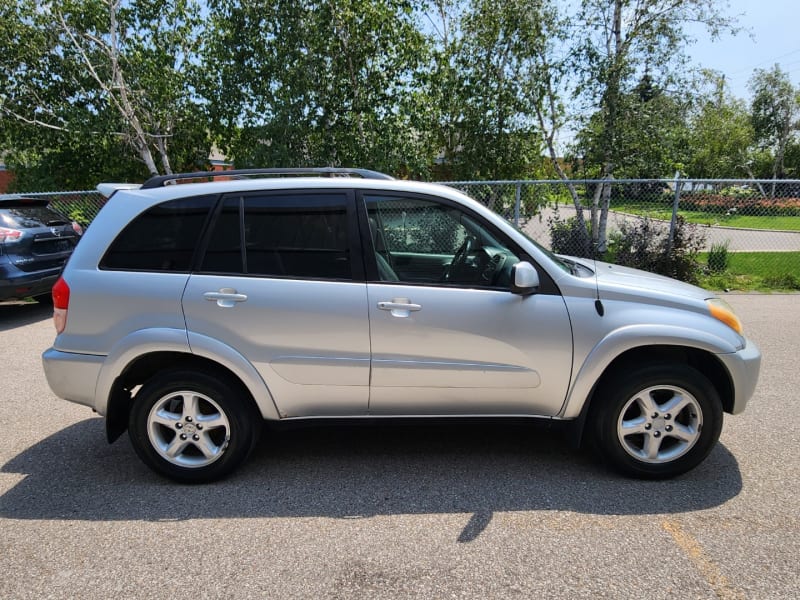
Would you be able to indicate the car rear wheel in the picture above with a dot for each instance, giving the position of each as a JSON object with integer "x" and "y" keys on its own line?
{"x": 657, "y": 422}
{"x": 192, "y": 427}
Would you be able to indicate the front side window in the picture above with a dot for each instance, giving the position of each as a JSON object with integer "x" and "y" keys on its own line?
{"x": 423, "y": 241}
{"x": 163, "y": 238}
{"x": 296, "y": 235}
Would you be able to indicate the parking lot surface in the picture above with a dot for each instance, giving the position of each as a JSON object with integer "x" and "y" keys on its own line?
{"x": 484, "y": 511}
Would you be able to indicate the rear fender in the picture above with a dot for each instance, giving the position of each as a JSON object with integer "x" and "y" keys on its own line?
{"x": 147, "y": 341}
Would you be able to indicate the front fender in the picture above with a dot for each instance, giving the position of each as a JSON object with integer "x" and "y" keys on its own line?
{"x": 628, "y": 338}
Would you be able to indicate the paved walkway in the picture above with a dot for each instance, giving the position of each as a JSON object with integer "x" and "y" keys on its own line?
{"x": 739, "y": 240}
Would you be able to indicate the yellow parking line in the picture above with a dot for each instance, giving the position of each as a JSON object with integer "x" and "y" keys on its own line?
{"x": 692, "y": 548}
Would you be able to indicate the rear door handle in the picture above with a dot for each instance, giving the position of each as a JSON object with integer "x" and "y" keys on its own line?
{"x": 226, "y": 297}
{"x": 399, "y": 307}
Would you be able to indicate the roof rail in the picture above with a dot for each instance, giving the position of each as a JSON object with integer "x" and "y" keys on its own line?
{"x": 162, "y": 180}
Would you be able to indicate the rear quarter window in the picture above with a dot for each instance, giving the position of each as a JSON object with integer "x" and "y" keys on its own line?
{"x": 163, "y": 238}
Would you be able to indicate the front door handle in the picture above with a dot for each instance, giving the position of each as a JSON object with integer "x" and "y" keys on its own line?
{"x": 226, "y": 297}
{"x": 399, "y": 307}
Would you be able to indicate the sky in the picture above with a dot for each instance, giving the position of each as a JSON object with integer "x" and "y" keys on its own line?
{"x": 772, "y": 35}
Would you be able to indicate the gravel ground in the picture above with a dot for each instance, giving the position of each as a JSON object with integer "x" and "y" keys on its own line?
{"x": 396, "y": 511}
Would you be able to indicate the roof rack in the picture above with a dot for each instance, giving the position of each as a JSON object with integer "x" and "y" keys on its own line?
{"x": 162, "y": 180}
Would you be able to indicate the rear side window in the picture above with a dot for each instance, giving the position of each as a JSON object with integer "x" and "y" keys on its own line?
{"x": 294, "y": 235}
{"x": 163, "y": 238}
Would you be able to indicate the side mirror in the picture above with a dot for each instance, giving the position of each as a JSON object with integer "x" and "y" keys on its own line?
{"x": 524, "y": 279}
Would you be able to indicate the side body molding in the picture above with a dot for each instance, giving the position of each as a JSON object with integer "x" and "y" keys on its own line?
{"x": 627, "y": 338}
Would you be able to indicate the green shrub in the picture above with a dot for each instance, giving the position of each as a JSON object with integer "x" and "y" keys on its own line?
{"x": 786, "y": 281}
{"x": 566, "y": 237}
{"x": 644, "y": 244}
{"x": 718, "y": 258}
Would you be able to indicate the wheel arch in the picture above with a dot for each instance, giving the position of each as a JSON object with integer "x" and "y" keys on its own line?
{"x": 702, "y": 360}
{"x": 146, "y": 366}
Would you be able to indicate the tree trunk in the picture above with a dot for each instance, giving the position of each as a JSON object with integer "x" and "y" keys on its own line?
{"x": 122, "y": 101}
{"x": 595, "y": 214}
{"x": 611, "y": 105}
{"x": 548, "y": 133}
{"x": 162, "y": 151}
{"x": 602, "y": 226}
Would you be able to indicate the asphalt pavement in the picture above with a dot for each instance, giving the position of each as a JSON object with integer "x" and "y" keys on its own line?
{"x": 397, "y": 511}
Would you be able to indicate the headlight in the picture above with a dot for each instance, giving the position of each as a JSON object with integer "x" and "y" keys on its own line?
{"x": 722, "y": 311}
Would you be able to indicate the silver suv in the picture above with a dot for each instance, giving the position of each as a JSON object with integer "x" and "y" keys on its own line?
{"x": 191, "y": 312}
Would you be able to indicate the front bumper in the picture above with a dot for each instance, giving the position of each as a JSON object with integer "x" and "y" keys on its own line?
{"x": 72, "y": 376}
{"x": 743, "y": 367}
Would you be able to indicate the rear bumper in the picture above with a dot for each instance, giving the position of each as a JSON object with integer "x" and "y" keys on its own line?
{"x": 743, "y": 367}
{"x": 18, "y": 284}
{"x": 72, "y": 376}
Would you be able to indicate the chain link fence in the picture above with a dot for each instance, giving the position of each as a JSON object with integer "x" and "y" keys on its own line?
{"x": 81, "y": 207}
{"x": 720, "y": 223}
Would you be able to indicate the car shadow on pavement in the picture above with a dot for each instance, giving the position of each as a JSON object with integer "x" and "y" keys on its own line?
{"x": 355, "y": 472}
{"x": 18, "y": 314}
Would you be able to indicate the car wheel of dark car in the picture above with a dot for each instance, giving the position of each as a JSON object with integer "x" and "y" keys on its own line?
{"x": 658, "y": 421}
{"x": 192, "y": 427}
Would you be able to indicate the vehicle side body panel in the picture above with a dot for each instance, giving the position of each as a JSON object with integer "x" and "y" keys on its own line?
{"x": 309, "y": 340}
{"x": 468, "y": 351}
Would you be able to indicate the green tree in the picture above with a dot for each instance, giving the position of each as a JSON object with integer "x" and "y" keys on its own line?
{"x": 480, "y": 88}
{"x": 618, "y": 41}
{"x": 653, "y": 137}
{"x": 775, "y": 112}
{"x": 721, "y": 134}
{"x": 102, "y": 69}
{"x": 305, "y": 82}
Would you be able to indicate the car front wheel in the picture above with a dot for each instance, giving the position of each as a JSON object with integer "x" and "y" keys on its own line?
{"x": 658, "y": 421}
{"x": 192, "y": 427}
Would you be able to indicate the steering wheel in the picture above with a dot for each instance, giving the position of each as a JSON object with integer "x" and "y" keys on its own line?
{"x": 460, "y": 257}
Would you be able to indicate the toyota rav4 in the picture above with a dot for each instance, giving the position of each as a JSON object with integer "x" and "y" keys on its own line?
{"x": 190, "y": 313}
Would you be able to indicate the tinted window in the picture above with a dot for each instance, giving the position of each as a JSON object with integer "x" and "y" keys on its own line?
{"x": 300, "y": 235}
{"x": 163, "y": 238}
{"x": 224, "y": 252}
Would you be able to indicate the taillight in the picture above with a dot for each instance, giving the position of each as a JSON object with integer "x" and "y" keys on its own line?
{"x": 9, "y": 235}
{"x": 77, "y": 228}
{"x": 60, "y": 304}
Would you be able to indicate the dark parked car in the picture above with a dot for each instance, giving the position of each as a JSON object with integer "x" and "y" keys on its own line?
{"x": 35, "y": 243}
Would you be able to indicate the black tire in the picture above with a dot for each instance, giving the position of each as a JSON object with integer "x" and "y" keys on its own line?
{"x": 681, "y": 427}
{"x": 219, "y": 422}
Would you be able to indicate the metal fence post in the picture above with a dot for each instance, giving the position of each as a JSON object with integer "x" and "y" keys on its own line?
{"x": 675, "y": 202}
{"x": 517, "y": 203}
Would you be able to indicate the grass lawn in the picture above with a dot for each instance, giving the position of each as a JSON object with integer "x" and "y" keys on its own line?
{"x": 708, "y": 218}
{"x": 756, "y": 271}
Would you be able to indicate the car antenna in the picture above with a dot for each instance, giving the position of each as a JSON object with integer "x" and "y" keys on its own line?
{"x": 598, "y": 304}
